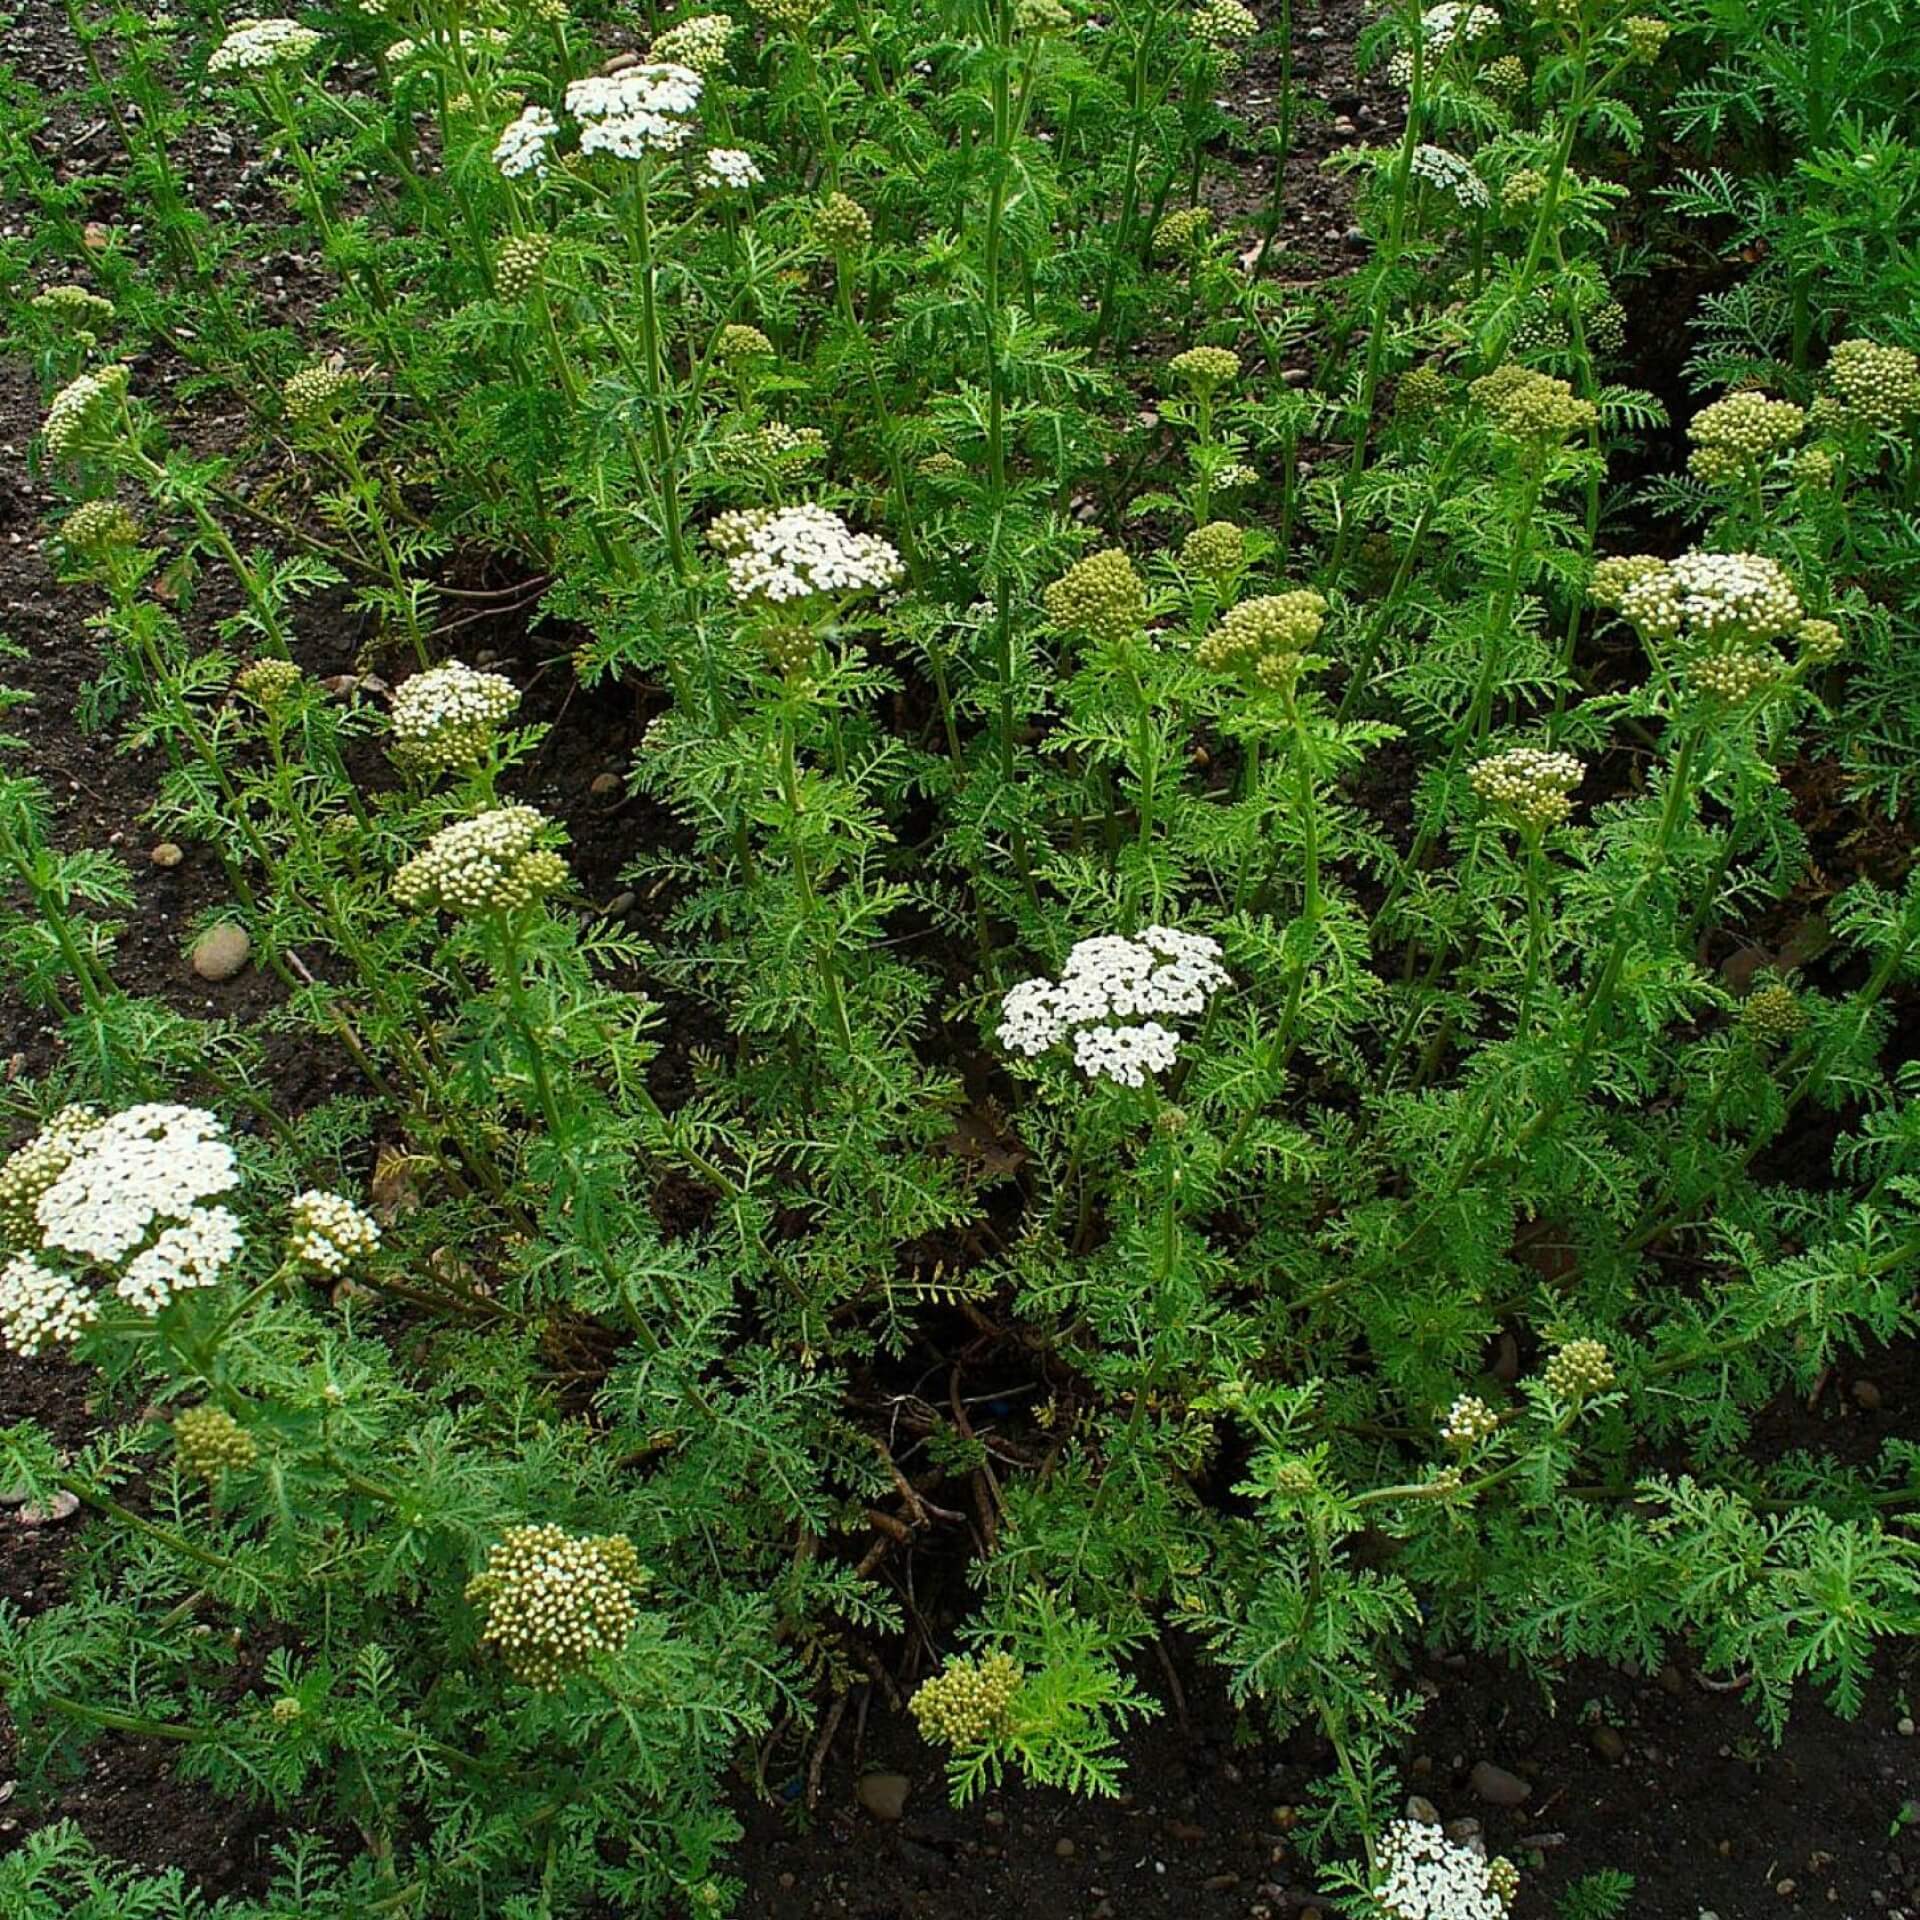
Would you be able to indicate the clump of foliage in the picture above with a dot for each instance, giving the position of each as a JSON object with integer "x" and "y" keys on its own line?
{"x": 1213, "y": 885}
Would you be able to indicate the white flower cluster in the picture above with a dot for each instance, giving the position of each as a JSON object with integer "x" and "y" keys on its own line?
{"x": 522, "y": 148}
{"x": 151, "y": 1163}
{"x": 779, "y": 554}
{"x": 1426, "y": 1876}
{"x": 638, "y": 111}
{"x": 554, "y": 1600}
{"x": 489, "y": 863}
{"x": 39, "y": 1307}
{"x": 77, "y": 408}
{"x": 445, "y": 717}
{"x": 727, "y": 168}
{"x": 1451, "y": 175}
{"x": 1744, "y": 596}
{"x": 1469, "y": 1423}
{"x": 1440, "y": 28}
{"x": 330, "y": 1232}
{"x": 190, "y": 1255}
{"x": 1111, "y": 998}
{"x": 252, "y": 46}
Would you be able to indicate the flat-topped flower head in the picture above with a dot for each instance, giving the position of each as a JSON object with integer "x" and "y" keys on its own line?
{"x": 1505, "y": 78}
{"x": 1421, "y": 392}
{"x": 148, "y": 1165}
{"x": 1113, "y": 1000}
{"x": 1532, "y": 788}
{"x": 727, "y": 170}
{"x": 447, "y": 716}
{"x": 1746, "y": 427}
{"x": 1470, "y": 1423}
{"x": 85, "y": 410}
{"x": 1610, "y": 579}
{"x": 194, "y": 1254}
{"x": 1528, "y": 405}
{"x": 968, "y": 1701}
{"x": 30, "y": 1170}
{"x": 1182, "y": 233}
{"x": 1267, "y": 639}
{"x": 73, "y": 306}
{"x": 635, "y": 112}
{"x": 553, "y": 1601}
{"x": 1880, "y": 385}
{"x": 267, "y": 684}
{"x": 525, "y": 143}
{"x": 209, "y": 1442}
{"x": 1714, "y": 595}
{"x": 1423, "y": 1875}
{"x": 1773, "y": 1013}
{"x": 778, "y": 555}
{"x": 1819, "y": 641}
{"x": 1451, "y": 23}
{"x": 260, "y": 46}
{"x": 41, "y": 1308}
{"x": 98, "y": 527}
{"x": 1647, "y": 37}
{"x": 328, "y": 1233}
{"x": 699, "y": 44}
{"x": 1735, "y": 673}
{"x": 521, "y": 264}
{"x": 841, "y": 224}
{"x": 1205, "y": 369}
{"x": 1224, "y": 25}
{"x": 1216, "y": 550}
{"x": 1578, "y": 1370}
{"x": 737, "y": 345}
{"x": 773, "y": 447}
{"x": 1236, "y": 477}
{"x": 1522, "y": 189}
{"x": 492, "y": 863}
{"x": 1452, "y": 174}
{"x": 315, "y": 394}
{"x": 1101, "y": 597}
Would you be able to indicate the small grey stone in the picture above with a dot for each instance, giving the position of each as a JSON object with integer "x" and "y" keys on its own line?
{"x": 1422, "y": 1811}
{"x": 1609, "y": 1743}
{"x": 63, "y": 1506}
{"x": 1497, "y": 1786}
{"x": 884, "y": 1795}
{"x": 221, "y": 951}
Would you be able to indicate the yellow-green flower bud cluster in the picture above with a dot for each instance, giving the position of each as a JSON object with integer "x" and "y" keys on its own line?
{"x": 1235, "y": 477}
{"x": 1294, "y": 1479}
{"x": 1182, "y": 233}
{"x": 1881, "y": 385}
{"x": 267, "y": 683}
{"x": 1223, "y": 25}
{"x": 968, "y": 1702}
{"x": 1205, "y": 368}
{"x": 286, "y": 1710}
{"x": 1422, "y": 391}
{"x": 1523, "y": 187}
{"x": 1503, "y": 1879}
{"x": 1646, "y": 38}
{"x": 1041, "y": 16}
{"x": 738, "y": 345}
{"x": 1470, "y": 1423}
{"x": 30, "y": 1170}
{"x": 1773, "y": 1013}
{"x": 96, "y": 526}
{"x": 554, "y": 1600}
{"x": 313, "y": 393}
{"x": 1100, "y": 596}
{"x": 699, "y": 44}
{"x": 207, "y": 1440}
{"x": 1265, "y": 639}
{"x": 1820, "y": 641}
{"x": 941, "y": 466}
{"x": 1216, "y": 550}
{"x": 1532, "y": 787}
{"x": 791, "y": 646}
{"x": 1816, "y": 468}
{"x": 82, "y": 409}
{"x": 76, "y": 307}
{"x": 487, "y": 864}
{"x": 1505, "y": 78}
{"x": 447, "y": 716}
{"x": 775, "y": 444}
{"x": 1735, "y": 673}
{"x": 520, "y": 263}
{"x": 841, "y": 224}
{"x": 329, "y": 1233}
{"x": 1579, "y": 1370}
{"x": 1528, "y": 405}
{"x": 795, "y": 15}
{"x": 1606, "y": 327}
{"x": 1744, "y": 428}
{"x": 1611, "y": 577}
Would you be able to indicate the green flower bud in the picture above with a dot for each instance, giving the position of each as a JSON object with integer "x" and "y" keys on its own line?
{"x": 1205, "y": 368}
{"x": 1182, "y": 233}
{"x": 737, "y": 346}
{"x": 1646, "y": 38}
{"x": 1772, "y": 1014}
{"x": 1532, "y": 788}
{"x": 554, "y": 1600}
{"x": 1879, "y": 384}
{"x": 1216, "y": 550}
{"x": 521, "y": 262}
{"x": 267, "y": 683}
{"x": 1265, "y": 639}
{"x": 207, "y": 1441}
{"x": 1525, "y": 405}
{"x": 1579, "y": 1370}
{"x": 967, "y": 1702}
{"x": 841, "y": 224}
{"x": 1100, "y": 596}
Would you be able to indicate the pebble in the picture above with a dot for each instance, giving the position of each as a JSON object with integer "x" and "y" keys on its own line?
{"x": 1344, "y": 125}
{"x": 1671, "y": 1680}
{"x": 169, "y": 854}
{"x": 1422, "y": 1811}
{"x": 884, "y": 1795}
{"x": 1063, "y": 1849}
{"x": 604, "y": 784}
{"x": 1904, "y": 1727}
{"x": 221, "y": 951}
{"x": 1866, "y": 1396}
{"x": 1497, "y": 1786}
{"x": 1610, "y": 1744}
{"x": 63, "y": 1506}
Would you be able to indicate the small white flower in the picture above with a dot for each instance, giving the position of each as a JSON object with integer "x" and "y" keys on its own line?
{"x": 522, "y": 148}
{"x": 1126, "y": 1054}
{"x": 781, "y": 554}
{"x": 727, "y": 168}
{"x": 445, "y": 716}
{"x": 190, "y": 1255}
{"x": 252, "y": 46}
{"x": 1426, "y": 1876}
{"x": 39, "y": 1307}
{"x": 150, "y": 1163}
{"x": 1450, "y": 174}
